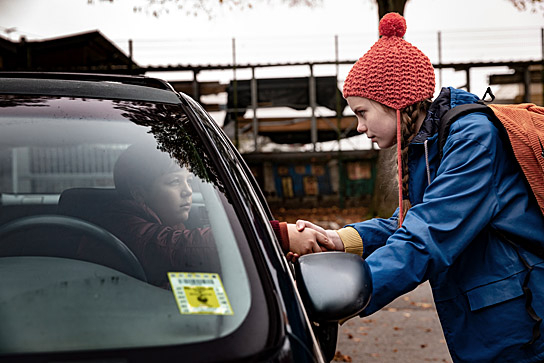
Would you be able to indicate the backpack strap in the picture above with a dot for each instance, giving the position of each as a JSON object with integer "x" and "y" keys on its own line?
{"x": 453, "y": 114}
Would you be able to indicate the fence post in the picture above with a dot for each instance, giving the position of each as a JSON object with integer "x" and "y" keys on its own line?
{"x": 254, "y": 100}
{"x": 235, "y": 94}
{"x": 339, "y": 115}
{"x": 526, "y": 85}
{"x": 130, "y": 55}
{"x": 467, "y": 71}
{"x": 339, "y": 111}
{"x": 196, "y": 86}
{"x": 312, "y": 97}
{"x": 440, "y": 59}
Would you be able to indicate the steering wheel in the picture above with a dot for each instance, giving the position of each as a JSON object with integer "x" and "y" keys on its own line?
{"x": 134, "y": 268}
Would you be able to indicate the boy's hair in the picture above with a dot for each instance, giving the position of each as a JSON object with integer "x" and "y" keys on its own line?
{"x": 138, "y": 166}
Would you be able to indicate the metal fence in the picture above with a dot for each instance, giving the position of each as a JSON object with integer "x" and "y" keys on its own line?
{"x": 464, "y": 58}
{"x": 441, "y": 47}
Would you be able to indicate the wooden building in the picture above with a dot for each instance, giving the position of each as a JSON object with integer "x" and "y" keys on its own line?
{"x": 84, "y": 52}
{"x": 315, "y": 179}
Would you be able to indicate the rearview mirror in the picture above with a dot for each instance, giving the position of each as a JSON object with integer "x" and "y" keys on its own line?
{"x": 333, "y": 285}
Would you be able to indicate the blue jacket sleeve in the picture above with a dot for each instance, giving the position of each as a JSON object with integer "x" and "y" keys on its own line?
{"x": 456, "y": 206}
{"x": 375, "y": 232}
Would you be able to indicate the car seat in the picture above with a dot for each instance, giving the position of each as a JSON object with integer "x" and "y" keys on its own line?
{"x": 86, "y": 203}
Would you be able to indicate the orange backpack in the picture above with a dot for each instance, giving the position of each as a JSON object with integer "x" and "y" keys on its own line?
{"x": 524, "y": 124}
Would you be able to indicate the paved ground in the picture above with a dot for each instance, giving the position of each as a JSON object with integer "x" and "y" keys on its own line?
{"x": 407, "y": 330}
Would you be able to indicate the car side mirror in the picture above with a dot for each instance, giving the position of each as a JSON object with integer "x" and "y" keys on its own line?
{"x": 333, "y": 285}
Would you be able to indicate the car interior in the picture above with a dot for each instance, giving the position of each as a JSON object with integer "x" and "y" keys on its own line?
{"x": 84, "y": 203}
{"x": 42, "y": 225}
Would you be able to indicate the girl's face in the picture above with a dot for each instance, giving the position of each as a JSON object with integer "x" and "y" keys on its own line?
{"x": 170, "y": 196}
{"x": 378, "y": 122}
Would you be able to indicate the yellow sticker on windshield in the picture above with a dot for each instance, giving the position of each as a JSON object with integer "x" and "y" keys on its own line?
{"x": 199, "y": 293}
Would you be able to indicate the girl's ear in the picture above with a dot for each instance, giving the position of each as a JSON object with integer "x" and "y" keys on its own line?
{"x": 137, "y": 193}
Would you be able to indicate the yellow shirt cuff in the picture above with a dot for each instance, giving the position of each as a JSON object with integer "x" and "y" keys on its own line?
{"x": 353, "y": 243}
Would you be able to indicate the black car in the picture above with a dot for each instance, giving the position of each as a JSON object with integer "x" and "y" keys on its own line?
{"x": 132, "y": 230}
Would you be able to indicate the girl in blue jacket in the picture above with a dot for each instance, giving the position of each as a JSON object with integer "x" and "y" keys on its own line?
{"x": 451, "y": 212}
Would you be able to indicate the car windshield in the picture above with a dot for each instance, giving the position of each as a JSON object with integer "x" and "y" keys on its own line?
{"x": 115, "y": 229}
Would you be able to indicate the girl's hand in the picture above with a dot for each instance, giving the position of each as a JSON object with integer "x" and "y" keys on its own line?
{"x": 337, "y": 244}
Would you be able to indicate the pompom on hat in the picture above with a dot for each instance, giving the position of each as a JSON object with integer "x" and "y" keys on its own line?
{"x": 394, "y": 73}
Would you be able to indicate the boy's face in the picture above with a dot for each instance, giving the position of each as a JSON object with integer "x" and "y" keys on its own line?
{"x": 170, "y": 196}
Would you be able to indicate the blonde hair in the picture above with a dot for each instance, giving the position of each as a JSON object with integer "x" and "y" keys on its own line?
{"x": 409, "y": 116}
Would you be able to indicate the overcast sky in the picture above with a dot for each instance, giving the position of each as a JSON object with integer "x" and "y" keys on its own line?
{"x": 38, "y": 19}
{"x": 277, "y": 32}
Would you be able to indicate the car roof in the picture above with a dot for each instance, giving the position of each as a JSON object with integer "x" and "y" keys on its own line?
{"x": 105, "y": 86}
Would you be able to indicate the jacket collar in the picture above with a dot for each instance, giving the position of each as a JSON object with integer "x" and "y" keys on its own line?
{"x": 449, "y": 97}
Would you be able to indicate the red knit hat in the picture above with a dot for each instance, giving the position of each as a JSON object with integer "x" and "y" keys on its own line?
{"x": 394, "y": 73}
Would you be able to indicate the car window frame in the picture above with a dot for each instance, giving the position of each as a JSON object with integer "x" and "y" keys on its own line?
{"x": 274, "y": 258}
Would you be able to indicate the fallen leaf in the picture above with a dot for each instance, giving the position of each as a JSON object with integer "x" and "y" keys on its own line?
{"x": 339, "y": 357}
{"x": 423, "y": 346}
{"x": 424, "y": 305}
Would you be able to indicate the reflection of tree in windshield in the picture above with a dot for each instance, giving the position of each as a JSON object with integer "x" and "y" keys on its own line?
{"x": 174, "y": 135}
{"x": 29, "y": 101}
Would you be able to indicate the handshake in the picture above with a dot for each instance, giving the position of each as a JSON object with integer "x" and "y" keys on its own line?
{"x": 306, "y": 237}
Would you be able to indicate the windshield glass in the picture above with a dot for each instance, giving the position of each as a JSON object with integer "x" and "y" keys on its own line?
{"x": 115, "y": 229}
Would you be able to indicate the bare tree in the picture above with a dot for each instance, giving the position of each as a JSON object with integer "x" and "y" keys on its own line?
{"x": 534, "y": 5}
{"x": 388, "y": 6}
{"x": 208, "y": 8}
